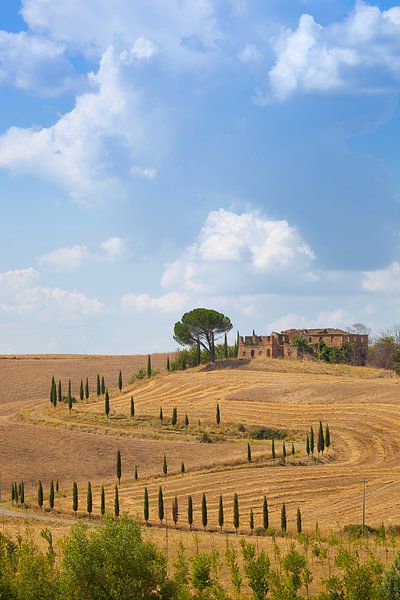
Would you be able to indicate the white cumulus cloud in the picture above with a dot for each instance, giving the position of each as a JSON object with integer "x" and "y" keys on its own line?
{"x": 351, "y": 55}
{"x": 385, "y": 280}
{"x": 168, "y": 303}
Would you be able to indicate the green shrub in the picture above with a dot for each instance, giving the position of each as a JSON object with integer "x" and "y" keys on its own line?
{"x": 267, "y": 433}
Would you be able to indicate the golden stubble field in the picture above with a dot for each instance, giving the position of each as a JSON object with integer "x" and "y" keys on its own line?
{"x": 361, "y": 406}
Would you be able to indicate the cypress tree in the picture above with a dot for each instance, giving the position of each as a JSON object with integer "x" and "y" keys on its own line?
{"x": 161, "y": 415}
{"x": 98, "y": 387}
{"x": 186, "y": 421}
{"x": 327, "y": 437}
{"x": 218, "y": 415}
{"x": 168, "y": 364}
{"x": 69, "y": 403}
{"x": 254, "y": 333}
{"x": 40, "y": 495}
{"x": 183, "y": 468}
{"x": 235, "y": 349}
{"x": 321, "y": 440}
{"x": 120, "y": 381}
{"x": 102, "y": 501}
{"x": 75, "y": 497}
{"x": 160, "y": 505}
{"x": 146, "y": 505}
{"x": 225, "y": 347}
{"x": 59, "y": 391}
{"x": 69, "y": 389}
{"x": 22, "y": 494}
{"x": 198, "y": 354}
{"x": 183, "y": 362}
{"x": 119, "y": 466}
{"x": 16, "y": 492}
{"x": 312, "y": 441}
{"x": 103, "y": 385}
{"x": 148, "y": 366}
{"x": 51, "y": 495}
{"x": 19, "y": 489}
{"x": 265, "y": 514}
{"x": 57, "y": 486}
{"x": 175, "y": 511}
{"x": 132, "y": 407}
{"x": 107, "y": 404}
{"x": 165, "y": 466}
{"x": 283, "y": 518}
{"x": 87, "y": 389}
{"x": 136, "y": 473}
{"x": 251, "y": 520}
{"x": 81, "y": 392}
{"x": 204, "y": 516}
{"x": 298, "y": 521}
{"x": 12, "y": 492}
{"x": 116, "y": 502}
{"x": 308, "y": 447}
{"x": 52, "y": 387}
{"x": 89, "y": 499}
{"x": 284, "y": 450}
{"x": 221, "y": 513}
{"x": 273, "y": 454}
{"x": 236, "y": 512}
{"x": 248, "y": 452}
{"x": 293, "y": 450}
{"x": 190, "y": 512}
{"x": 174, "y": 419}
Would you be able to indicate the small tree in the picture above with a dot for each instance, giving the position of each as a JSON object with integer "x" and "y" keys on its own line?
{"x": 273, "y": 453}
{"x": 40, "y": 495}
{"x": 161, "y": 414}
{"x": 321, "y": 440}
{"x": 52, "y": 388}
{"x": 12, "y": 492}
{"x": 236, "y": 512}
{"x": 312, "y": 441}
{"x": 69, "y": 389}
{"x": 87, "y": 389}
{"x": 265, "y": 514}
{"x": 146, "y": 506}
{"x": 251, "y": 520}
{"x": 120, "y": 381}
{"x": 103, "y": 385}
{"x": 160, "y": 505}
{"x": 225, "y": 347}
{"x": 57, "y": 486}
{"x": 136, "y": 473}
{"x": 183, "y": 468}
{"x": 149, "y": 371}
{"x": 132, "y": 407}
{"x": 221, "y": 513}
{"x": 298, "y": 521}
{"x": 59, "y": 391}
{"x": 248, "y": 452}
{"x": 283, "y": 451}
{"x": 22, "y": 493}
{"x": 201, "y": 325}
{"x": 165, "y": 466}
{"x": 89, "y": 499}
{"x": 81, "y": 391}
{"x": 102, "y": 501}
{"x": 168, "y": 364}
{"x": 175, "y": 511}
{"x": 51, "y": 495}
{"x": 293, "y": 450}
{"x": 186, "y": 421}
{"x": 75, "y": 497}
{"x": 98, "y": 386}
{"x": 116, "y": 502}
{"x": 119, "y": 466}
{"x": 218, "y": 415}
{"x": 308, "y": 447}
{"x": 327, "y": 437}
{"x": 204, "y": 516}
{"x": 190, "y": 512}
{"x": 70, "y": 403}
{"x": 174, "y": 419}
{"x": 107, "y": 404}
{"x": 283, "y": 518}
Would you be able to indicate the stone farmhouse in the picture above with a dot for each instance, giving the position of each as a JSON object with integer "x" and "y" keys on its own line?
{"x": 280, "y": 345}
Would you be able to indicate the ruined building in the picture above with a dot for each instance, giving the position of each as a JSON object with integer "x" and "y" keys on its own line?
{"x": 286, "y": 343}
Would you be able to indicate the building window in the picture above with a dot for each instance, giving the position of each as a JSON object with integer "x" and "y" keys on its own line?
{"x": 252, "y": 354}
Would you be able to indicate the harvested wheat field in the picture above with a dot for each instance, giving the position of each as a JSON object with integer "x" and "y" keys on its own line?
{"x": 361, "y": 406}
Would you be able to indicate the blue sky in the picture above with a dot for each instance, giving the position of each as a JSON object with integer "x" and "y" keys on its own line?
{"x": 236, "y": 154}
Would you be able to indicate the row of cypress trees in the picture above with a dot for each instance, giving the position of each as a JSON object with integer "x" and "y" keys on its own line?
{"x": 323, "y": 440}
